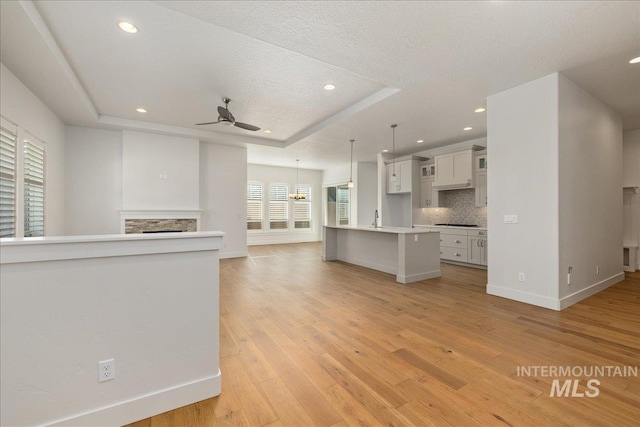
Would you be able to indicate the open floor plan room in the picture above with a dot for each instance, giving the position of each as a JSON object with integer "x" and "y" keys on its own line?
{"x": 305, "y": 343}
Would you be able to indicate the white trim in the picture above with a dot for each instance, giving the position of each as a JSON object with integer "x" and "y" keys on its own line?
{"x": 145, "y": 406}
{"x": 417, "y": 277}
{"x": 516, "y": 295}
{"x": 226, "y": 255}
{"x": 591, "y": 290}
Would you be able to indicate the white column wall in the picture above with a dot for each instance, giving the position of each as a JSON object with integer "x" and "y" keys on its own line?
{"x": 223, "y": 195}
{"x": 93, "y": 181}
{"x": 590, "y": 183}
{"x": 522, "y": 147}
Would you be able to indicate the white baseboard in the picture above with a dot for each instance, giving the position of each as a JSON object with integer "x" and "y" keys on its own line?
{"x": 417, "y": 277}
{"x": 225, "y": 255}
{"x": 516, "y": 295}
{"x": 142, "y": 407}
{"x": 591, "y": 290}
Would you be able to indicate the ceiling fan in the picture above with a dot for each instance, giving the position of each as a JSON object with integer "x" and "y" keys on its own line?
{"x": 226, "y": 118}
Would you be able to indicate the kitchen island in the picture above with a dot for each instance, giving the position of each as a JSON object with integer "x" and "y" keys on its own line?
{"x": 412, "y": 254}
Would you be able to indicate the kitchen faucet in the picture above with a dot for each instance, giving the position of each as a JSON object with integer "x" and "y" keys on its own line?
{"x": 375, "y": 220}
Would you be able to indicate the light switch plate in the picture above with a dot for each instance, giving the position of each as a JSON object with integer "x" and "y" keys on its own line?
{"x": 511, "y": 219}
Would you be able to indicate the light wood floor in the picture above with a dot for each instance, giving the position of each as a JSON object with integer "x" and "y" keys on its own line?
{"x": 305, "y": 342}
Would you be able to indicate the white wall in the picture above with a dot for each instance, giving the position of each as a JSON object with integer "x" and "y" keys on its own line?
{"x": 631, "y": 155}
{"x": 159, "y": 172}
{"x": 20, "y": 106}
{"x": 522, "y": 149}
{"x": 631, "y": 158}
{"x": 367, "y": 188}
{"x": 93, "y": 181}
{"x": 590, "y": 183}
{"x": 69, "y": 303}
{"x": 267, "y": 174}
{"x": 223, "y": 195}
{"x": 556, "y": 162}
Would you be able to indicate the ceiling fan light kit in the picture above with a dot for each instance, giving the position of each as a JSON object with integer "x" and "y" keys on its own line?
{"x": 226, "y": 118}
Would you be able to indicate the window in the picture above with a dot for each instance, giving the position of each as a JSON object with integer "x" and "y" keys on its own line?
{"x": 7, "y": 180}
{"x": 278, "y": 206}
{"x": 342, "y": 205}
{"x": 302, "y": 208}
{"x": 254, "y": 206}
{"x": 33, "y": 188}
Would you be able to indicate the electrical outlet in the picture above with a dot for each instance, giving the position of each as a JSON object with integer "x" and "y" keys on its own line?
{"x": 521, "y": 277}
{"x": 106, "y": 370}
{"x": 597, "y": 269}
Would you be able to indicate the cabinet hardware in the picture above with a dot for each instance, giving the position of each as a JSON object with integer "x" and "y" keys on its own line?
{"x": 481, "y": 233}
{"x": 457, "y": 254}
{"x": 457, "y": 241}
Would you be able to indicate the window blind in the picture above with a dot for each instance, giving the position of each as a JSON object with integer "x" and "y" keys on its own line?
{"x": 254, "y": 206}
{"x": 342, "y": 205}
{"x": 33, "y": 189}
{"x": 302, "y": 208}
{"x": 7, "y": 182}
{"x": 278, "y": 206}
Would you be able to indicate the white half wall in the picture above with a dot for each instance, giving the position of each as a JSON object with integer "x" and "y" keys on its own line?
{"x": 93, "y": 181}
{"x": 590, "y": 183}
{"x": 159, "y": 172}
{"x": 223, "y": 195}
{"x": 20, "y": 106}
{"x": 522, "y": 147}
{"x": 274, "y": 174}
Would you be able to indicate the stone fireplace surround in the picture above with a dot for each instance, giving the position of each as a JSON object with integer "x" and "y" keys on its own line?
{"x": 140, "y": 221}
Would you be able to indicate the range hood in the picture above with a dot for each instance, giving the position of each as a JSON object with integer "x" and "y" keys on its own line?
{"x": 454, "y": 171}
{"x": 453, "y": 186}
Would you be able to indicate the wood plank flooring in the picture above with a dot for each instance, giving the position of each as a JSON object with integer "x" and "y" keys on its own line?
{"x": 311, "y": 343}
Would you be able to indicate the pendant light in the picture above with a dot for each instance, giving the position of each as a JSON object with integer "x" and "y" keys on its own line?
{"x": 393, "y": 160}
{"x": 297, "y": 195}
{"x": 350, "y": 184}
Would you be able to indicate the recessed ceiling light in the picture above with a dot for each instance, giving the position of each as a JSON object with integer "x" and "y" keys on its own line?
{"x": 635, "y": 60}
{"x": 141, "y": 110}
{"x": 267, "y": 131}
{"x": 480, "y": 110}
{"x": 329, "y": 87}
{"x": 385, "y": 151}
{"x": 468, "y": 128}
{"x": 127, "y": 27}
{"x": 420, "y": 141}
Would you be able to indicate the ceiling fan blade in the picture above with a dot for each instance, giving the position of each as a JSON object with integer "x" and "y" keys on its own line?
{"x": 246, "y": 126}
{"x": 208, "y": 123}
{"x": 224, "y": 113}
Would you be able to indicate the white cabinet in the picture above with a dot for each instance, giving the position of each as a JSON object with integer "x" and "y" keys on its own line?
{"x": 454, "y": 170}
{"x": 481, "y": 163}
{"x": 427, "y": 170}
{"x": 477, "y": 249}
{"x": 480, "y": 169}
{"x": 453, "y": 245}
{"x": 481, "y": 189}
{"x": 428, "y": 194}
{"x": 401, "y": 182}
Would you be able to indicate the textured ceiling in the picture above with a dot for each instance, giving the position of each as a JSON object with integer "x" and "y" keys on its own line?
{"x": 423, "y": 65}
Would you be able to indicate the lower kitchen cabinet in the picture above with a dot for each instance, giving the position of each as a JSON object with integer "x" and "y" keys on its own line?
{"x": 477, "y": 251}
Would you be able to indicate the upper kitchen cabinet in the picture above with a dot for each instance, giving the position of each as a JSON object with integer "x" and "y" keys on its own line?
{"x": 400, "y": 181}
{"x": 428, "y": 195}
{"x": 454, "y": 170}
{"x": 481, "y": 179}
{"x": 427, "y": 170}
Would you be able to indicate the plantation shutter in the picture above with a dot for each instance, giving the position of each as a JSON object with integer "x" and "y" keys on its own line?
{"x": 7, "y": 180}
{"x": 33, "y": 188}
{"x": 342, "y": 205}
{"x": 302, "y": 208}
{"x": 254, "y": 206}
{"x": 278, "y": 206}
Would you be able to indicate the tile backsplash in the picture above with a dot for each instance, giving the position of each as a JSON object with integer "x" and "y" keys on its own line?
{"x": 457, "y": 207}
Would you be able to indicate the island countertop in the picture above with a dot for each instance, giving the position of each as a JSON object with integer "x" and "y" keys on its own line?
{"x": 384, "y": 229}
